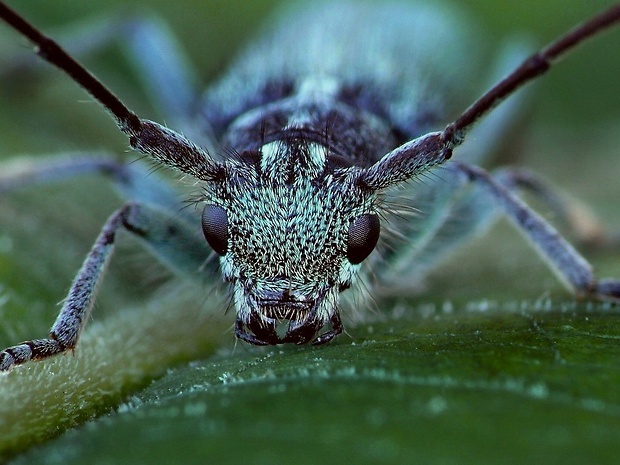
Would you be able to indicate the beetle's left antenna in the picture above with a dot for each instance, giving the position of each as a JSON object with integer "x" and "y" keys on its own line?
{"x": 148, "y": 137}
{"x": 534, "y": 66}
{"x": 435, "y": 148}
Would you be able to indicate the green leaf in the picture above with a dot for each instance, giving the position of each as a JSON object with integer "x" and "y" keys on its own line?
{"x": 484, "y": 385}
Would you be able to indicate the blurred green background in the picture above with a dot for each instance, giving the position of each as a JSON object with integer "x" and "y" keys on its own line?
{"x": 467, "y": 387}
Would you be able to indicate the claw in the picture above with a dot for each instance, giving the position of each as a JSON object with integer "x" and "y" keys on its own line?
{"x": 608, "y": 289}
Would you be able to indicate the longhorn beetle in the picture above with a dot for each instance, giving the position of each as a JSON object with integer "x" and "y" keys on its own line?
{"x": 303, "y": 153}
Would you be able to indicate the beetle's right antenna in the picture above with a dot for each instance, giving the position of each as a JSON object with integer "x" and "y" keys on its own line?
{"x": 163, "y": 144}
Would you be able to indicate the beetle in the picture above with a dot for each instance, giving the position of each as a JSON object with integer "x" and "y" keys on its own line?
{"x": 298, "y": 152}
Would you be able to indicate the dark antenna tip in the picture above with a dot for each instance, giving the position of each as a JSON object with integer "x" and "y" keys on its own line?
{"x": 537, "y": 64}
{"x": 53, "y": 53}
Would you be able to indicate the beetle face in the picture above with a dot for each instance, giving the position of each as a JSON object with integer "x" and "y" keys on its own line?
{"x": 291, "y": 234}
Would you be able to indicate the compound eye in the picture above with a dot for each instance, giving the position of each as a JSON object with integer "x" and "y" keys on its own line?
{"x": 362, "y": 238}
{"x": 215, "y": 228}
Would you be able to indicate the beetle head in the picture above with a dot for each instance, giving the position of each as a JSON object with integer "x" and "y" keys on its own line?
{"x": 291, "y": 231}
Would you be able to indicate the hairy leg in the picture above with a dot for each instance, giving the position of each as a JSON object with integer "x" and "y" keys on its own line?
{"x": 472, "y": 200}
{"x": 173, "y": 240}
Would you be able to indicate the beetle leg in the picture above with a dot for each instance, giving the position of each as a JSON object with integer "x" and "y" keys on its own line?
{"x": 173, "y": 241}
{"x": 565, "y": 261}
{"x": 468, "y": 202}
